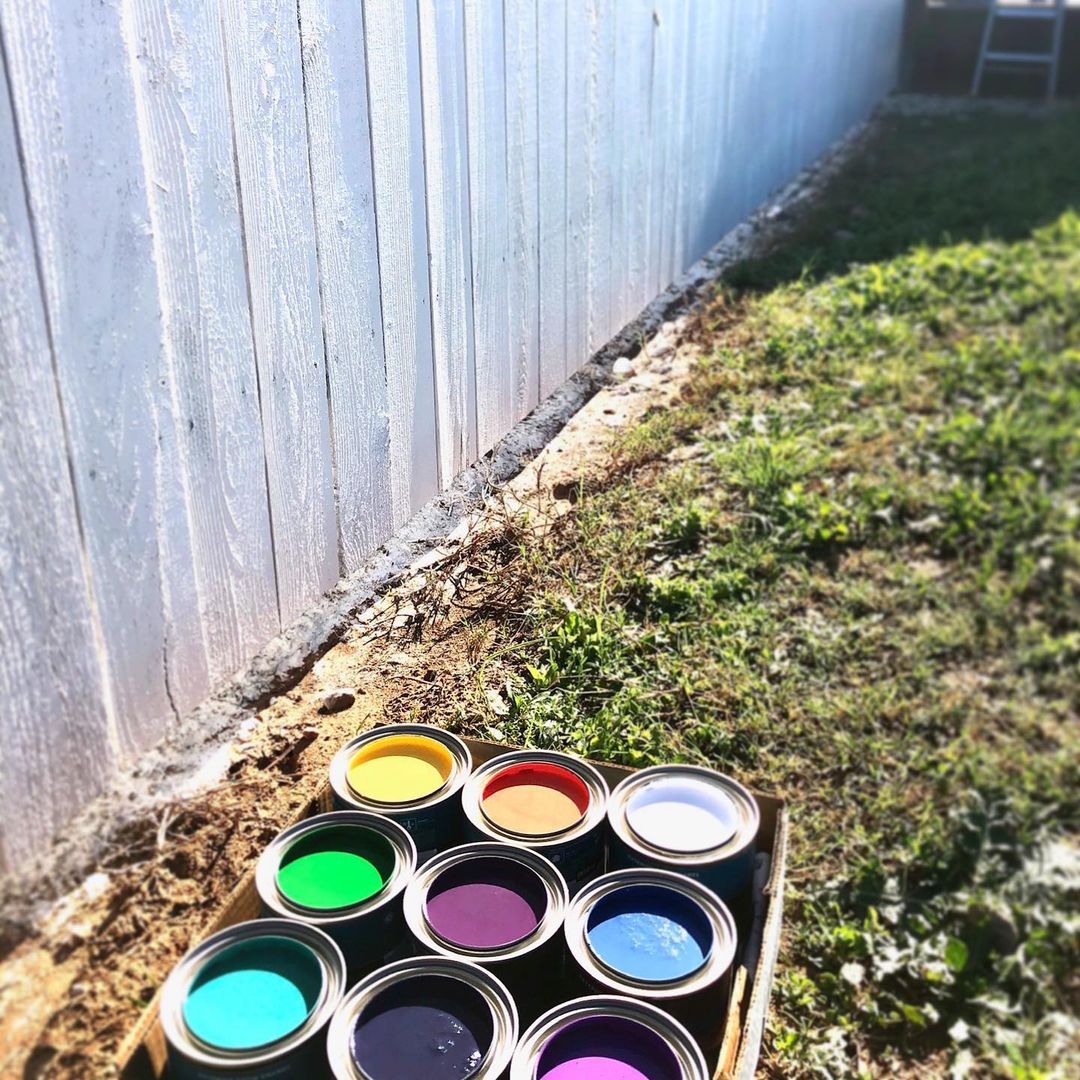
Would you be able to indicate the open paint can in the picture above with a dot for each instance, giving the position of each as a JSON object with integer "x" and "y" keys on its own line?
{"x": 546, "y": 801}
{"x": 345, "y": 873}
{"x": 253, "y": 1000}
{"x": 607, "y": 1038}
{"x": 689, "y": 819}
{"x": 659, "y": 937}
{"x": 429, "y": 1018}
{"x": 499, "y": 906}
{"x": 412, "y": 773}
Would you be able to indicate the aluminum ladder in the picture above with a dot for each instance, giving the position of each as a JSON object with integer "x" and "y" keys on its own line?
{"x": 1011, "y": 11}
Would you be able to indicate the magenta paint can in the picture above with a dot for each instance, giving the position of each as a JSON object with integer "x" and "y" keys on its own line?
{"x": 425, "y": 1018}
{"x": 607, "y": 1038}
{"x": 498, "y": 906}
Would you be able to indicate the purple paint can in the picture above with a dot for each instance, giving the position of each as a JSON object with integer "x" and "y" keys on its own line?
{"x": 499, "y": 906}
{"x": 427, "y": 1018}
{"x": 607, "y": 1038}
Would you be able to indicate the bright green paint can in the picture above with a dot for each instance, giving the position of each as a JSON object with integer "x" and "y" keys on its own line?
{"x": 335, "y": 867}
{"x": 253, "y": 994}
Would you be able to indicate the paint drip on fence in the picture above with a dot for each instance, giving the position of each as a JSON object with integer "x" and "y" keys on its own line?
{"x": 607, "y": 1048}
{"x": 486, "y": 903}
{"x": 253, "y": 994}
{"x": 535, "y": 799}
{"x": 400, "y": 769}
{"x": 427, "y": 1027}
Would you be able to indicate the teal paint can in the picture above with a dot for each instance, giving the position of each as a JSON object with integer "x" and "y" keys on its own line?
{"x": 253, "y": 1001}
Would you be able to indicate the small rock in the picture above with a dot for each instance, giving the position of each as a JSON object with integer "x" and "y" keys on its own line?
{"x": 336, "y": 700}
{"x": 660, "y": 347}
{"x": 622, "y": 367}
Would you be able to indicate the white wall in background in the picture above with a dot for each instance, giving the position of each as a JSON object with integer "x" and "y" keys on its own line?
{"x": 273, "y": 271}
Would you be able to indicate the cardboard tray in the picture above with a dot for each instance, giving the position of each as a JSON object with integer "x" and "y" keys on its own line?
{"x": 142, "y": 1054}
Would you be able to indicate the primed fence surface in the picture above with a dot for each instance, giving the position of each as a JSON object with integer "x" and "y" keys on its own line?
{"x": 273, "y": 271}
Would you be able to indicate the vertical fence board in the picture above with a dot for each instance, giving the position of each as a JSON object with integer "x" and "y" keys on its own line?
{"x": 51, "y": 692}
{"x": 339, "y": 150}
{"x": 262, "y": 42}
{"x": 91, "y": 222}
{"x": 489, "y": 221}
{"x": 393, "y": 62}
{"x": 552, "y": 217}
{"x": 522, "y": 200}
{"x": 577, "y": 184}
{"x": 442, "y": 41}
{"x": 599, "y": 145}
{"x": 182, "y": 97}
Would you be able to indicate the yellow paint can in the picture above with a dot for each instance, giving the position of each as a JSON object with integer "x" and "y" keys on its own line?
{"x": 400, "y": 769}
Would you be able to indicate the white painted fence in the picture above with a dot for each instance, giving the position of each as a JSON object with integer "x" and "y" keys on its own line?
{"x": 273, "y": 271}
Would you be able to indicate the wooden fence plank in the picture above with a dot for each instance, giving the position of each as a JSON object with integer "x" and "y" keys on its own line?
{"x": 393, "y": 65}
{"x": 262, "y": 41}
{"x": 183, "y": 109}
{"x": 489, "y": 220}
{"x": 599, "y": 147}
{"x": 442, "y": 63}
{"x": 75, "y": 113}
{"x": 59, "y": 749}
{"x": 522, "y": 172}
{"x": 339, "y": 151}
{"x": 551, "y": 135}
{"x": 578, "y": 36}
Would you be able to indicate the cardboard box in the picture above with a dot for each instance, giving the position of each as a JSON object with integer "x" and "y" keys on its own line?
{"x": 142, "y": 1054}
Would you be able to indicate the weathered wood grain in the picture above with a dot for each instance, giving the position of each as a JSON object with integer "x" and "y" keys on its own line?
{"x": 522, "y": 170}
{"x": 442, "y": 64}
{"x": 186, "y": 136}
{"x": 262, "y": 42}
{"x": 58, "y": 748}
{"x": 551, "y": 189}
{"x": 489, "y": 221}
{"x": 397, "y": 149}
{"x": 578, "y": 36}
{"x": 84, "y": 176}
{"x": 339, "y": 153}
{"x": 599, "y": 144}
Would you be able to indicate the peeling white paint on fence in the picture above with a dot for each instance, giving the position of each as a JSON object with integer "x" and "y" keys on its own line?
{"x": 273, "y": 271}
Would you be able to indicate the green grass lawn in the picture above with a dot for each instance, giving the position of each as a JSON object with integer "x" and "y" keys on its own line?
{"x": 855, "y": 583}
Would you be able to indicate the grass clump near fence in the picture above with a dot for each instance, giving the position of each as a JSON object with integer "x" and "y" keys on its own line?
{"x": 846, "y": 569}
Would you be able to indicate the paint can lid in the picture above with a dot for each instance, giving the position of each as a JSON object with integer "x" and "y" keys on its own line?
{"x": 334, "y": 868}
{"x": 253, "y": 994}
{"x": 682, "y": 814}
{"x": 649, "y": 933}
{"x": 396, "y": 770}
{"x": 534, "y": 799}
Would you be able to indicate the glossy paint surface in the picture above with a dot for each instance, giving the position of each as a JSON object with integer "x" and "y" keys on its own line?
{"x": 607, "y": 1048}
{"x": 428, "y": 1027}
{"x": 253, "y": 993}
{"x": 649, "y": 933}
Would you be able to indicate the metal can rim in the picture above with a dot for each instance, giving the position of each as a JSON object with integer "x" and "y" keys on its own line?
{"x": 174, "y": 993}
{"x": 741, "y": 797}
{"x": 599, "y": 793}
{"x": 503, "y": 1011}
{"x": 339, "y": 769}
{"x": 269, "y": 861}
{"x": 687, "y": 1052}
{"x": 717, "y": 964}
{"x": 554, "y": 883}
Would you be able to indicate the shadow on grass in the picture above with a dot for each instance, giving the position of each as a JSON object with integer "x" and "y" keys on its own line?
{"x": 932, "y": 181}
